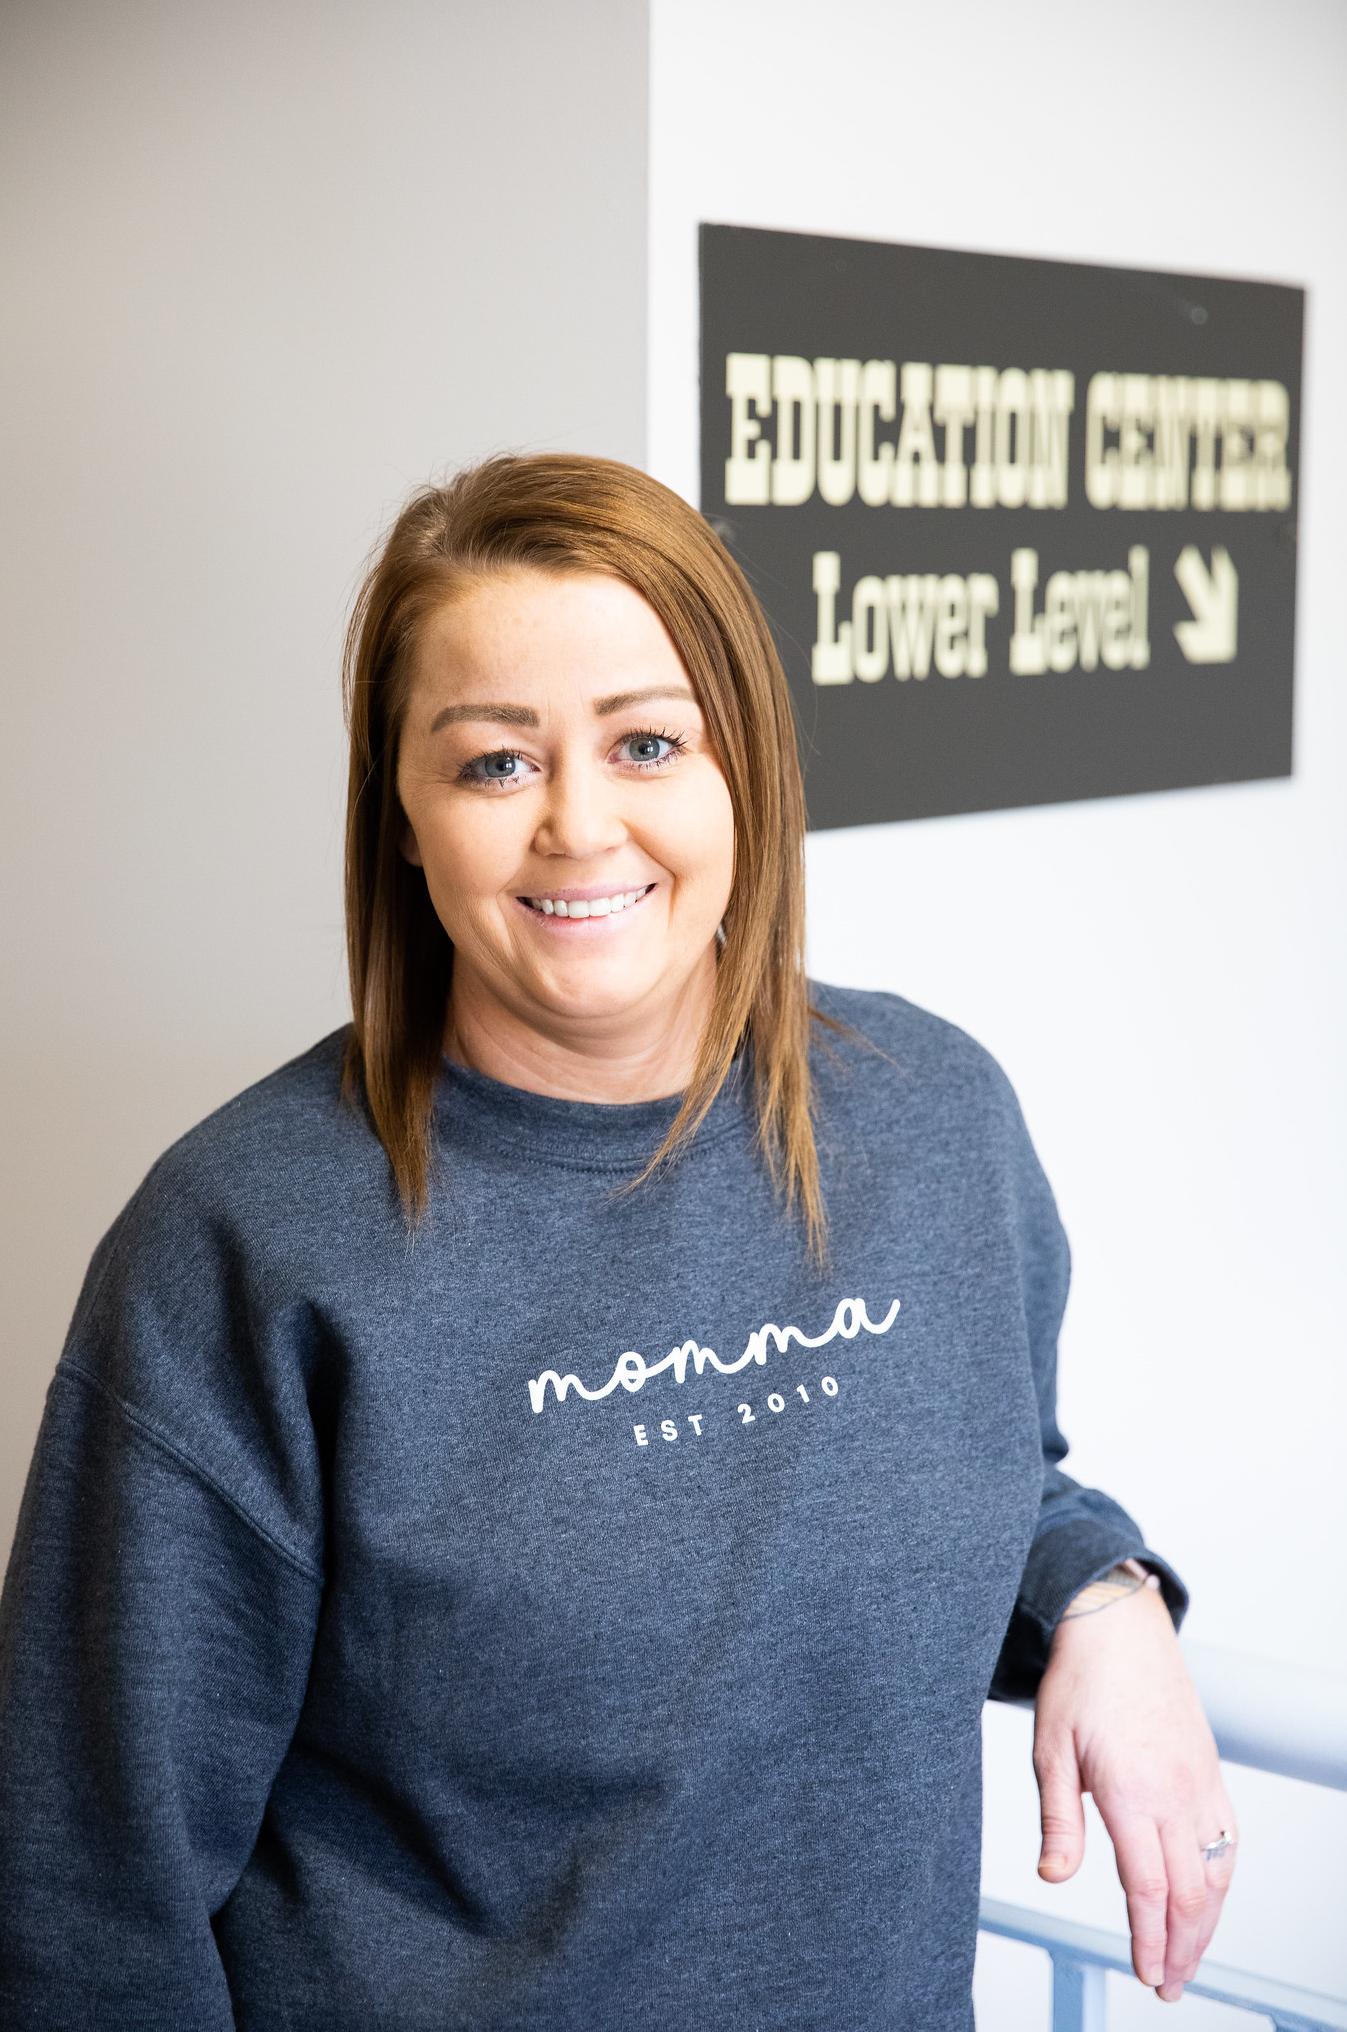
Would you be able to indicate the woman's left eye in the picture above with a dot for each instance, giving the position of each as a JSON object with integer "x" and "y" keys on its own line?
{"x": 676, "y": 744}
{"x": 646, "y": 763}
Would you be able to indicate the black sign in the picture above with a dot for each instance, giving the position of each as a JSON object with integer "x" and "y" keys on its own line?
{"x": 1025, "y": 530}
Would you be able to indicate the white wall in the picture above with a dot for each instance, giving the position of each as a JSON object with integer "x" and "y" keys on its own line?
{"x": 267, "y": 267}
{"x": 1162, "y": 976}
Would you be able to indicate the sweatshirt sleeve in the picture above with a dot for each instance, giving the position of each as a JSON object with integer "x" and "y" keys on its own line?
{"x": 1080, "y": 1532}
{"x": 155, "y": 1639}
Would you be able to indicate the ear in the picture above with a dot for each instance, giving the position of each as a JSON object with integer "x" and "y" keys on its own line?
{"x": 407, "y": 846}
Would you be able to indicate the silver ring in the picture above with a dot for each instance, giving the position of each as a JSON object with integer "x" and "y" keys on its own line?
{"x": 1210, "y": 1850}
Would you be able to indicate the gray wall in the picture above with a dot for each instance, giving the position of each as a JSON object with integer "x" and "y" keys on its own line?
{"x": 266, "y": 268}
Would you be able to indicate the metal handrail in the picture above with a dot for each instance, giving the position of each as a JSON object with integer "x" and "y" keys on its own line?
{"x": 1291, "y": 1720}
{"x": 1074, "y": 1947}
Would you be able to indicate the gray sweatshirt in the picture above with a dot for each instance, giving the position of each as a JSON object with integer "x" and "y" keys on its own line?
{"x": 581, "y": 1617}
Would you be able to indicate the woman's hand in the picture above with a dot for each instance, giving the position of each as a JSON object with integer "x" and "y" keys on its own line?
{"x": 1118, "y": 1716}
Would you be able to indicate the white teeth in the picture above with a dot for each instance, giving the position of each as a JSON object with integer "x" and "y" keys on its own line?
{"x": 601, "y": 906}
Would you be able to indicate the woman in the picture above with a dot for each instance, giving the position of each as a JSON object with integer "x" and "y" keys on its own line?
{"x": 538, "y": 1489}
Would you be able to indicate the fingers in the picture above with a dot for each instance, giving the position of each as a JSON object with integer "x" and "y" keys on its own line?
{"x": 1061, "y": 1809}
{"x": 1217, "y": 1875}
{"x": 1174, "y": 1897}
{"x": 1143, "y": 1875}
{"x": 1187, "y": 1902}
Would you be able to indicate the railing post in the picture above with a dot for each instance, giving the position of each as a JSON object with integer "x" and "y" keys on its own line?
{"x": 1078, "y": 2000}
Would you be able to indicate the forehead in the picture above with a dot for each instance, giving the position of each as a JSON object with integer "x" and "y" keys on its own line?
{"x": 530, "y": 624}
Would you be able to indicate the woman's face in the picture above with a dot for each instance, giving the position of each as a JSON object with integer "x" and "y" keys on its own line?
{"x": 552, "y": 742}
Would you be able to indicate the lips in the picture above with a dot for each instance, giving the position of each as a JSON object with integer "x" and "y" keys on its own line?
{"x": 591, "y": 895}
{"x": 601, "y": 922}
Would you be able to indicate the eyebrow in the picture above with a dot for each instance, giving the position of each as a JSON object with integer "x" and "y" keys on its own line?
{"x": 524, "y": 716}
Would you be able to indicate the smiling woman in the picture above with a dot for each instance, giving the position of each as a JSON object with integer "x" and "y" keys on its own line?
{"x": 591, "y": 619}
{"x": 575, "y": 995}
{"x": 538, "y": 1488}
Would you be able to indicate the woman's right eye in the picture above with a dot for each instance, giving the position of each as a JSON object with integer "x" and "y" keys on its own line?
{"x": 468, "y": 773}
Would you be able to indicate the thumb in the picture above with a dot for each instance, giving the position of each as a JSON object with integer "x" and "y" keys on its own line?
{"x": 1062, "y": 1811}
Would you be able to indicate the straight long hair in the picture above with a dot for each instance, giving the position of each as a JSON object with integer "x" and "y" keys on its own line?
{"x": 564, "y": 512}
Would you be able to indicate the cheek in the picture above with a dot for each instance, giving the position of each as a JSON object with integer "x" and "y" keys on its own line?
{"x": 672, "y": 832}
{"x": 705, "y": 837}
{"x": 477, "y": 851}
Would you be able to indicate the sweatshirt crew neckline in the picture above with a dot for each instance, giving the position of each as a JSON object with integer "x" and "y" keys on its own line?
{"x": 485, "y": 1109}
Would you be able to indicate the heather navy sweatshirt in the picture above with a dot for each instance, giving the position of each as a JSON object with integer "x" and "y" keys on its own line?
{"x": 581, "y": 1617}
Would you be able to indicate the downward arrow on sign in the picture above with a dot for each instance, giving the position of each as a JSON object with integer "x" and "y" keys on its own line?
{"x": 1214, "y": 598}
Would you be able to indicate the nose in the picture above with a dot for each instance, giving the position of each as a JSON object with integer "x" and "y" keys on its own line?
{"x": 581, "y": 814}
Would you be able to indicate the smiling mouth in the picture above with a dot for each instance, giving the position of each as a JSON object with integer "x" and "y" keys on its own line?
{"x": 599, "y": 910}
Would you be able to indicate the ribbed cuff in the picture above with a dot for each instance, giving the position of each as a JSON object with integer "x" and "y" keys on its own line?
{"x": 1076, "y": 1552}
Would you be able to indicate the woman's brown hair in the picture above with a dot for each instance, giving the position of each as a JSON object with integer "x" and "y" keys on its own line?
{"x": 566, "y": 512}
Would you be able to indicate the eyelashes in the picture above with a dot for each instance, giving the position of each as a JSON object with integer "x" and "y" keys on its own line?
{"x": 678, "y": 747}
